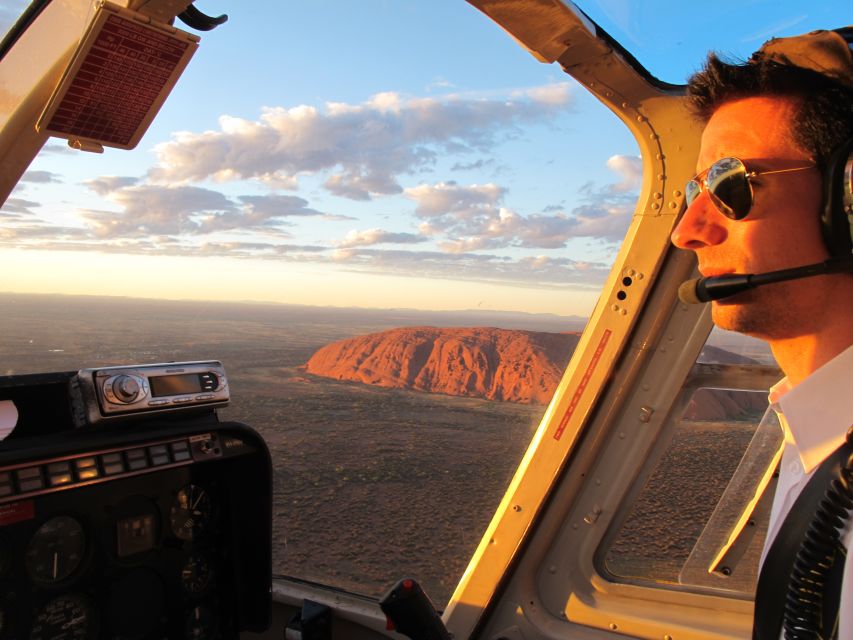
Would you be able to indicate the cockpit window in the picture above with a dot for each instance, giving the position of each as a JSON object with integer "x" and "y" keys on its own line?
{"x": 671, "y": 40}
{"x": 699, "y": 514}
{"x": 426, "y": 172}
{"x": 9, "y": 12}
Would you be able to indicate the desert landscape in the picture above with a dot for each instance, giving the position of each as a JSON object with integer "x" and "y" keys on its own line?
{"x": 372, "y": 483}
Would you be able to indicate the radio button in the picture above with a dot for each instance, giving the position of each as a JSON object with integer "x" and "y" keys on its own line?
{"x": 6, "y": 488}
{"x": 136, "y": 459}
{"x": 180, "y": 451}
{"x": 159, "y": 454}
{"x": 205, "y": 396}
{"x": 87, "y": 468}
{"x": 126, "y": 388}
{"x": 157, "y": 403}
{"x": 181, "y": 400}
{"x": 113, "y": 463}
{"x": 30, "y": 479}
{"x": 59, "y": 473}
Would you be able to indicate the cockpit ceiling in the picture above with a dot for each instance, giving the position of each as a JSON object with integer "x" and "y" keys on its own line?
{"x": 671, "y": 39}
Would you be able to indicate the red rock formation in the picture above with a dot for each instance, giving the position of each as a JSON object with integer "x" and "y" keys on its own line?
{"x": 497, "y": 364}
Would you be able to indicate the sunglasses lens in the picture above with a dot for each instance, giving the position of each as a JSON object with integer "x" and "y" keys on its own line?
{"x": 691, "y": 191}
{"x": 729, "y": 188}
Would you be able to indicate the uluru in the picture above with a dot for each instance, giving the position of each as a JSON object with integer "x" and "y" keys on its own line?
{"x": 512, "y": 365}
{"x": 482, "y": 362}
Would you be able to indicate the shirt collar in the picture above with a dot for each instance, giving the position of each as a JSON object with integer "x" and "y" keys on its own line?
{"x": 817, "y": 412}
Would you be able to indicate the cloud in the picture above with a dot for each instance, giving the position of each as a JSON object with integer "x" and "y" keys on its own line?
{"x": 363, "y": 147}
{"x": 539, "y": 271}
{"x": 630, "y": 168}
{"x": 377, "y": 236}
{"x": 147, "y": 210}
{"x": 262, "y": 208}
{"x": 15, "y": 207}
{"x": 474, "y": 218}
{"x": 40, "y": 177}
{"x": 451, "y": 199}
{"x": 108, "y": 184}
{"x": 472, "y": 166}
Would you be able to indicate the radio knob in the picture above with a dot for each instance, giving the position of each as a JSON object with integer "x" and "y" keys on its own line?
{"x": 126, "y": 388}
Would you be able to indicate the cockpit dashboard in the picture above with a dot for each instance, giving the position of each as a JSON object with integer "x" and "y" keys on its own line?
{"x": 153, "y": 526}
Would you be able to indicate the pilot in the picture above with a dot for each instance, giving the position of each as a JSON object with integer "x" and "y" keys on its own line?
{"x": 778, "y": 133}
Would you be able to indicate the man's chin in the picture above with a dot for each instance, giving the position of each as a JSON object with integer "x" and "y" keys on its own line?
{"x": 739, "y": 313}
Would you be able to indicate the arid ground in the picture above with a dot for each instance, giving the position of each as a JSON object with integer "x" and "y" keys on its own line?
{"x": 371, "y": 484}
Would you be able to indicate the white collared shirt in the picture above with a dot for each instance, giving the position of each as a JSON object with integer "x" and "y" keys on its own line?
{"x": 815, "y": 416}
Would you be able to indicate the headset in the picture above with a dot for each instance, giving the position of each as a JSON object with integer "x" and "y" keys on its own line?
{"x": 837, "y": 214}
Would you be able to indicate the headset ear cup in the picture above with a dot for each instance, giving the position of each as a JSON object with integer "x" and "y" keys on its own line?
{"x": 837, "y": 215}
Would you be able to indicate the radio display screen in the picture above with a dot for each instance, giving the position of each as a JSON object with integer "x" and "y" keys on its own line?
{"x": 175, "y": 385}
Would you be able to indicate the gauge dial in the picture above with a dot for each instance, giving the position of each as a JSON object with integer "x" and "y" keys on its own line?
{"x": 192, "y": 512}
{"x": 68, "y": 617}
{"x": 201, "y": 623}
{"x": 56, "y": 550}
{"x": 196, "y": 574}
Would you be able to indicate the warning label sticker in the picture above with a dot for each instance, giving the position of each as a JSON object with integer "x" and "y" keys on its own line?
{"x": 118, "y": 81}
{"x": 16, "y": 512}
{"x": 583, "y": 384}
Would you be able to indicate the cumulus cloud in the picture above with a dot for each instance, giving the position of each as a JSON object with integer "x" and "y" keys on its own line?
{"x": 363, "y": 147}
{"x": 473, "y": 217}
{"x": 107, "y": 184}
{"x": 630, "y": 169}
{"x": 454, "y": 200}
{"x": 16, "y": 207}
{"x": 40, "y": 177}
{"x": 377, "y": 236}
{"x": 147, "y": 210}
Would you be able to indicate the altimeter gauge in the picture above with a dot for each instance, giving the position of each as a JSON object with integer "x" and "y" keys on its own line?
{"x": 192, "y": 512}
{"x": 196, "y": 574}
{"x": 69, "y": 617}
{"x": 56, "y": 550}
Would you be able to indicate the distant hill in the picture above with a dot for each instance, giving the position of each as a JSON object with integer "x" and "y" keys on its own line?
{"x": 496, "y": 364}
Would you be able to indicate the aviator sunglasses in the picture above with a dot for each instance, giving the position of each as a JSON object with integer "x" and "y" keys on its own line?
{"x": 729, "y": 185}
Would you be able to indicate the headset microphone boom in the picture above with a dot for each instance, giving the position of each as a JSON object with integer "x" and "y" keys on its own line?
{"x": 701, "y": 290}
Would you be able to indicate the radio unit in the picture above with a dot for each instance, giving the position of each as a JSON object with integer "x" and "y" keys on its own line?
{"x": 123, "y": 392}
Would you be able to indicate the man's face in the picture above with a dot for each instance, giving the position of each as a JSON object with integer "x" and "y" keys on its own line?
{"x": 781, "y": 231}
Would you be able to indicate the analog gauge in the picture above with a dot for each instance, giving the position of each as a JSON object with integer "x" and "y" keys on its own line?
{"x": 192, "y": 512}
{"x": 196, "y": 574}
{"x": 56, "y": 550}
{"x": 201, "y": 624}
{"x": 68, "y": 617}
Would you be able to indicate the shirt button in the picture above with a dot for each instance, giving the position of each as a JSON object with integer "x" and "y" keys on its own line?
{"x": 795, "y": 468}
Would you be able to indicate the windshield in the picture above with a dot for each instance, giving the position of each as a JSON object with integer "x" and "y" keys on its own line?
{"x": 335, "y": 173}
{"x": 671, "y": 40}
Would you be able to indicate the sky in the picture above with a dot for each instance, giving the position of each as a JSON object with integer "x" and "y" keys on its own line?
{"x": 384, "y": 153}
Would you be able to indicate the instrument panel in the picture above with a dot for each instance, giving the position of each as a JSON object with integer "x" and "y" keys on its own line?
{"x": 147, "y": 531}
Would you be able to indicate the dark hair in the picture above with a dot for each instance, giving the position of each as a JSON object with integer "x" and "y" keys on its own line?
{"x": 824, "y": 120}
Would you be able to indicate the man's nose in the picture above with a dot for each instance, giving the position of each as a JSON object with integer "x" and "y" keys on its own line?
{"x": 700, "y": 226}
